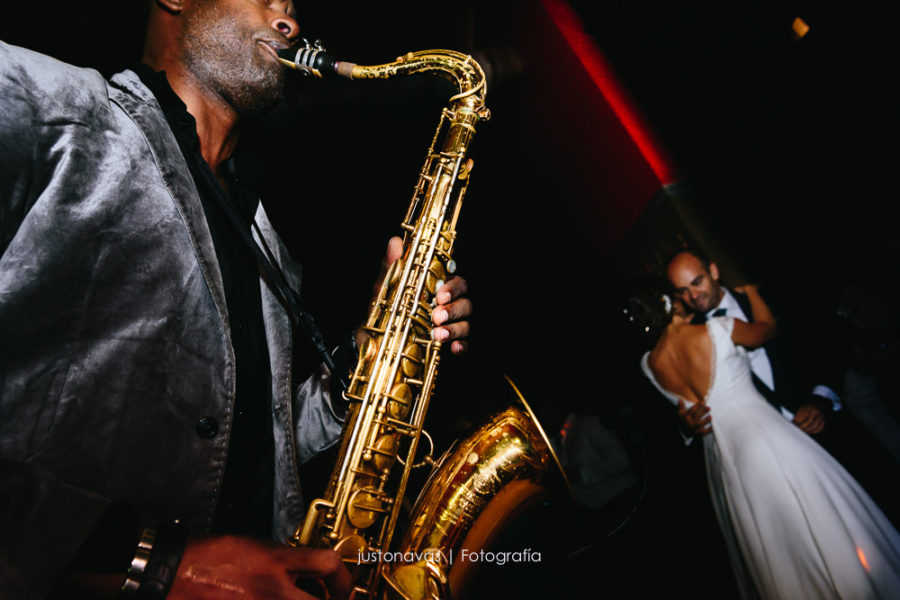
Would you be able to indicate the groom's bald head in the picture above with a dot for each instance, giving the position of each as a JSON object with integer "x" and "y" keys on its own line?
{"x": 696, "y": 280}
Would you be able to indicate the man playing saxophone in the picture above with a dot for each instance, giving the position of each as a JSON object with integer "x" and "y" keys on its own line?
{"x": 150, "y": 430}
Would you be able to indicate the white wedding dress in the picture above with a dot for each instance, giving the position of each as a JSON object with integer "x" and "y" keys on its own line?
{"x": 796, "y": 524}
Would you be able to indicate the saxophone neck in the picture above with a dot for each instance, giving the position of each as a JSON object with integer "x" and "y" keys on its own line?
{"x": 461, "y": 69}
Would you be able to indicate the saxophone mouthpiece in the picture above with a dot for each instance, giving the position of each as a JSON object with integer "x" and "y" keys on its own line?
{"x": 311, "y": 59}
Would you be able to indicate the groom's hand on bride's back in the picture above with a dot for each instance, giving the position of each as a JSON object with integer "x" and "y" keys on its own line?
{"x": 694, "y": 420}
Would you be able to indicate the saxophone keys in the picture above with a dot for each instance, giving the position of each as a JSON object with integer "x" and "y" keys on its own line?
{"x": 385, "y": 451}
{"x": 436, "y": 273}
{"x": 352, "y": 548}
{"x": 400, "y": 400}
{"x": 466, "y": 169}
{"x": 369, "y": 349}
{"x": 364, "y": 508}
{"x": 411, "y": 362}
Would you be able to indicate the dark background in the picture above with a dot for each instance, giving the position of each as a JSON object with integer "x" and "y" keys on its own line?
{"x": 787, "y": 145}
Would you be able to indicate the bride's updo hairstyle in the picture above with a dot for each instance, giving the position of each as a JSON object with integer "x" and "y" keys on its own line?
{"x": 649, "y": 307}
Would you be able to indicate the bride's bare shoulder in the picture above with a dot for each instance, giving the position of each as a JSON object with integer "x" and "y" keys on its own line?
{"x": 685, "y": 346}
{"x": 685, "y": 335}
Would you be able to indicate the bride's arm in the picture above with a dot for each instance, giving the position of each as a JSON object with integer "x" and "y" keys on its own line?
{"x": 762, "y": 329}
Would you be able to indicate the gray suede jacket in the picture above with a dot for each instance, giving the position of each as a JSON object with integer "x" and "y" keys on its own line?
{"x": 116, "y": 363}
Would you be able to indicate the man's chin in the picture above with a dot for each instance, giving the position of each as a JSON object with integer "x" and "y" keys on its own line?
{"x": 701, "y": 308}
{"x": 259, "y": 107}
{"x": 261, "y": 97}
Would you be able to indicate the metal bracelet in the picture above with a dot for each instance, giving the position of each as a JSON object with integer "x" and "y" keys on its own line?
{"x": 138, "y": 564}
{"x": 159, "y": 574}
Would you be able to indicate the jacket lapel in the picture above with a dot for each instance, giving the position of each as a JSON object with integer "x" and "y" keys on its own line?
{"x": 140, "y": 105}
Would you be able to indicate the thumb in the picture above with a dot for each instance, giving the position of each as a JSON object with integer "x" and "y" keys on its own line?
{"x": 309, "y": 563}
{"x": 394, "y": 250}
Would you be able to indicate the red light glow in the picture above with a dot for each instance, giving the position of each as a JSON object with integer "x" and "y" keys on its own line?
{"x": 603, "y": 76}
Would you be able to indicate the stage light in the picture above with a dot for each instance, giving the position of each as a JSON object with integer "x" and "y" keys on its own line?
{"x": 800, "y": 28}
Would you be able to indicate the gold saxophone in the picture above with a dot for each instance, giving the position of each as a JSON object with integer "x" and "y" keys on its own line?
{"x": 481, "y": 482}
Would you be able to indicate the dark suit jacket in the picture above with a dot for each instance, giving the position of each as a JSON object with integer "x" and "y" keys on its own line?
{"x": 115, "y": 338}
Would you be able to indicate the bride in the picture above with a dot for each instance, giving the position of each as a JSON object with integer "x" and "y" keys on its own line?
{"x": 796, "y": 524}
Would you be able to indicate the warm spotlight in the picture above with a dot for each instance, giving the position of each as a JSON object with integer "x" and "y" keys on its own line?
{"x": 800, "y": 28}
{"x": 862, "y": 558}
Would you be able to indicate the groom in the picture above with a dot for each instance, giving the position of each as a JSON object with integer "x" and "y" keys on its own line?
{"x": 696, "y": 282}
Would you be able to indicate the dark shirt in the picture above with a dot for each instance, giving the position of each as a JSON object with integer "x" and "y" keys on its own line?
{"x": 245, "y": 502}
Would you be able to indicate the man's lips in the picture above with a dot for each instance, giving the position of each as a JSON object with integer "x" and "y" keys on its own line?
{"x": 272, "y": 46}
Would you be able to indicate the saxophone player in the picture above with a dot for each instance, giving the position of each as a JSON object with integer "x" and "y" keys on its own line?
{"x": 149, "y": 430}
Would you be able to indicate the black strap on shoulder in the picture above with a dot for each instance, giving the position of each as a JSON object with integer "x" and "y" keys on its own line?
{"x": 271, "y": 271}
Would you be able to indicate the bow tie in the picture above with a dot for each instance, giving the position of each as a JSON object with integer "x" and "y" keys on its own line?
{"x": 719, "y": 312}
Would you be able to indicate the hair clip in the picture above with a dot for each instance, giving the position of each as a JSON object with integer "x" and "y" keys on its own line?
{"x": 668, "y": 302}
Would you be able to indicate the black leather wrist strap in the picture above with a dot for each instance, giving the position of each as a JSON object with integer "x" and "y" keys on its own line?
{"x": 159, "y": 574}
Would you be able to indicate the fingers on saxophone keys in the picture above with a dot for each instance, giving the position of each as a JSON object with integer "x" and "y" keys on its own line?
{"x": 451, "y": 331}
{"x": 457, "y": 347}
{"x": 455, "y": 311}
{"x": 454, "y": 287}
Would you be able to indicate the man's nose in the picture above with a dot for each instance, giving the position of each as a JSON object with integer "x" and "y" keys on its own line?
{"x": 286, "y": 25}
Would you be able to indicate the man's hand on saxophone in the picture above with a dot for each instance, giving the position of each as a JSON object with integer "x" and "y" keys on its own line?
{"x": 241, "y": 567}
{"x": 451, "y": 313}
